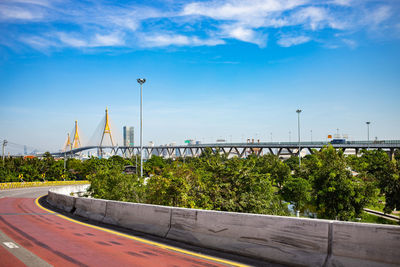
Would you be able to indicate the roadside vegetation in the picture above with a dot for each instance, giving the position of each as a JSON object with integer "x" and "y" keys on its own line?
{"x": 328, "y": 185}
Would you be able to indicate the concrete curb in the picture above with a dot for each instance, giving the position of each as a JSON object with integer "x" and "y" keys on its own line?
{"x": 287, "y": 240}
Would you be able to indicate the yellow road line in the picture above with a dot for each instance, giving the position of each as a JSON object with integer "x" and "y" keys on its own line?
{"x": 156, "y": 244}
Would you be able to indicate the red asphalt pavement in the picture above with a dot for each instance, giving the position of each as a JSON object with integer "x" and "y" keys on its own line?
{"x": 60, "y": 242}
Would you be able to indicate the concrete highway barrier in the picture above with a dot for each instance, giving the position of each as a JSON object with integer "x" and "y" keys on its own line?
{"x": 91, "y": 208}
{"x": 355, "y": 244}
{"x": 287, "y": 240}
{"x": 150, "y": 219}
{"x": 61, "y": 198}
{"x": 281, "y": 239}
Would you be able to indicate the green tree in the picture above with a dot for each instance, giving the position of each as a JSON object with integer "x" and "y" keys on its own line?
{"x": 377, "y": 165}
{"x": 297, "y": 191}
{"x": 154, "y": 165}
{"x": 171, "y": 188}
{"x": 336, "y": 193}
{"x": 270, "y": 164}
{"x": 113, "y": 184}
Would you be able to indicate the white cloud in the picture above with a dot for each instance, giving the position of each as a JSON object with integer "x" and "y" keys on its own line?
{"x": 351, "y": 43}
{"x": 312, "y": 16}
{"x": 244, "y": 34}
{"x": 45, "y": 3}
{"x": 98, "y": 40}
{"x": 72, "y": 41}
{"x": 113, "y": 39}
{"x": 98, "y": 24}
{"x": 249, "y": 14}
{"x": 379, "y": 15}
{"x": 125, "y": 22}
{"x": 38, "y": 42}
{"x": 287, "y": 41}
{"x": 12, "y": 12}
{"x": 159, "y": 40}
{"x": 239, "y": 10}
{"x": 341, "y": 2}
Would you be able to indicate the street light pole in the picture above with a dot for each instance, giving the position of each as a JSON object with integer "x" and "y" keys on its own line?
{"x": 298, "y": 126}
{"x": 141, "y": 81}
{"x": 368, "y": 123}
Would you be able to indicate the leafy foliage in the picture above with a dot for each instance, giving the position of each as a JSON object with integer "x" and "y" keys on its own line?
{"x": 379, "y": 168}
{"x": 297, "y": 191}
{"x": 115, "y": 185}
{"x": 336, "y": 193}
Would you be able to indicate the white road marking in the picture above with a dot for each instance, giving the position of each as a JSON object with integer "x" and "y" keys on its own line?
{"x": 10, "y": 245}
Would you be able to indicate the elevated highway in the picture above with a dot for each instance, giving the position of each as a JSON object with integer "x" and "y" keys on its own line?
{"x": 237, "y": 149}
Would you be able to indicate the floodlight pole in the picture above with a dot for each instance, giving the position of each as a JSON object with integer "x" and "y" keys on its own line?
{"x": 141, "y": 81}
{"x": 298, "y": 128}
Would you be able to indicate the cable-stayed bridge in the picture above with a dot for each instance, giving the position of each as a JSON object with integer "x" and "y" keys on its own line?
{"x": 73, "y": 147}
{"x": 104, "y": 144}
{"x": 231, "y": 149}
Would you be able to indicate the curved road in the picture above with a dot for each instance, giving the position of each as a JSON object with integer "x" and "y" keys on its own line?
{"x": 31, "y": 235}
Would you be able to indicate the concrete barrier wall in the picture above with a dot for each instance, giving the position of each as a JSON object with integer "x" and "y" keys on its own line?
{"x": 355, "y": 244}
{"x": 91, "y": 208}
{"x": 277, "y": 238}
{"x": 288, "y": 240}
{"x": 60, "y": 196}
{"x": 151, "y": 219}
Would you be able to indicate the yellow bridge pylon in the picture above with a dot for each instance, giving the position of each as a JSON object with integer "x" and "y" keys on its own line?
{"x": 68, "y": 144}
{"x": 76, "y": 142}
{"x": 106, "y": 130}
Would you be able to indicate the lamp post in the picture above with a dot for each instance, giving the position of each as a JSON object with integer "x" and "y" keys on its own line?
{"x": 298, "y": 128}
{"x": 141, "y": 81}
{"x": 368, "y": 123}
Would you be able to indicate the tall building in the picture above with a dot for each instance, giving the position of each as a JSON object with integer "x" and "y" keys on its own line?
{"x": 129, "y": 136}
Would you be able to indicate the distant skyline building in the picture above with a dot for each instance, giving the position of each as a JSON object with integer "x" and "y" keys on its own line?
{"x": 129, "y": 136}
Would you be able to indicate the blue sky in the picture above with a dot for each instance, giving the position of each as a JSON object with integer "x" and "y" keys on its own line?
{"x": 215, "y": 69}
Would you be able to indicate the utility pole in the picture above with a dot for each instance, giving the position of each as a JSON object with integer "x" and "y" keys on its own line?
{"x": 4, "y": 144}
